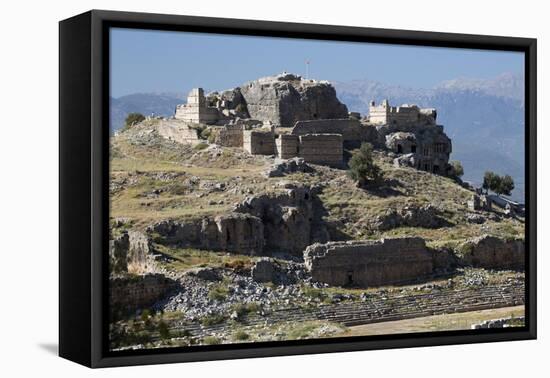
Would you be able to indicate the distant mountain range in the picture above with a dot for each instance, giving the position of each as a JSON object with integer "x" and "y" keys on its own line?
{"x": 484, "y": 118}
{"x": 163, "y": 104}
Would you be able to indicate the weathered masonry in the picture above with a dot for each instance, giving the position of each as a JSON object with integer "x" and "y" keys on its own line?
{"x": 324, "y": 149}
{"x": 259, "y": 142}
{"x": 231, "y": 135}
{"x": 197, "y": 110}
{"x": 178, "y": 131}
{"x": 384, "y": 114}
{"x": 369, "y": 263}
{"x": 351, "y": 129}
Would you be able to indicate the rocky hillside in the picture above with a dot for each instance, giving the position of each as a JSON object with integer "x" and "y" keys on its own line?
{"x": 154, "y": 179}
{"x": 190, "y": 226}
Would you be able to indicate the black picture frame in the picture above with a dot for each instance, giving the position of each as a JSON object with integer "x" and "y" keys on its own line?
{"x": 83, "y": 181}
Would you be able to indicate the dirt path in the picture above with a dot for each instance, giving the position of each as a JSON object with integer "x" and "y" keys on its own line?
{"x": 447, "y": 322}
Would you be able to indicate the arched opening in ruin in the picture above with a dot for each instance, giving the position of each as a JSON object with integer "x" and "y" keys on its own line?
{"x": 306, "y": 196}
{"x": 426, "y": 167}
{"x": 436, "y": 168}
{"x": 399, "y": 149}
{"x": 315, "y": 115}
{"x": 413, "y": 149}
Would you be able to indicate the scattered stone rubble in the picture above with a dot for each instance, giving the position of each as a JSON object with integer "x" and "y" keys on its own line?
{"x": 501, "y": 323}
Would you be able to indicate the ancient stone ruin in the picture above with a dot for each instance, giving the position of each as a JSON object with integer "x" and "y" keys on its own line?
{"x": 318, "y": 126}
{"x": 287, "y": 98}
{"x": 369, "y": 263}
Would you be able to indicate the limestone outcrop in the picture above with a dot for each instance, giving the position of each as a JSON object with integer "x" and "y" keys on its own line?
{"x": 234, "y": 232}
{"x": 287, "y": 98}
{"x": 411, "y": 216}
{"x": 284, "y": 167}
{"x": 131, "y": 252}
{"x": 286, "y": 216}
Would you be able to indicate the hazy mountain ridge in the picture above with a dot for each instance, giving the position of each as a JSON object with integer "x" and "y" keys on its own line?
{"x": 163, "y": 104}
{"x": 484, "y": 118}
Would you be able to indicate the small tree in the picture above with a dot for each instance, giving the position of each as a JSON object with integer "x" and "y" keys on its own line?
{"x": 456, "y": 168}
{"x": 362, "y": 167}
{"x": 505, "y": 186}
{"x": 490, "y": 181}
{"x": 498, "y": 184}
{"x": 133, "y": 119}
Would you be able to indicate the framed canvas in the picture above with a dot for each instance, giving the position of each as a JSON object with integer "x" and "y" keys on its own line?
{"x": 235, "y": 188}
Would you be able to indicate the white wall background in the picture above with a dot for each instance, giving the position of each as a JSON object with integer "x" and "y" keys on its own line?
{"x": 29, "y": 185}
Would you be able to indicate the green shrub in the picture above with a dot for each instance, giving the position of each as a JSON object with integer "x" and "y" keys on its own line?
{"x": 246, "y": 308}
{"x": 133, "y": 119}
{"x": 205, "y": 134}
{"x": 200, "y": 146}
{"x": 218, "y": 292}
{"x": 456, "y": 168}
{"x": 164, "y": 332}
{"x": 241, "y": 335}
{"x": 213, "y": 319}
{"x": 211, "y": 340}
{"x": 498, "y": 184}
{"x": 362, "y": 167}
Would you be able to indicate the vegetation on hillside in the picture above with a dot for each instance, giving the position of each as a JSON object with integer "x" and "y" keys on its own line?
{"x": 498, "y": 184}
{"x": 133, "y": 119}
{"x": 362, "y": 168}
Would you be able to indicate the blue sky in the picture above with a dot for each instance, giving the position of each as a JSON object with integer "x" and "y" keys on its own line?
{"x": 160, "y": 61}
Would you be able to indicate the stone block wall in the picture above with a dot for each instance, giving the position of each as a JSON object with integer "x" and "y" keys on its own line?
{"x": 230, "y": 136}
{"x": 259, "y": 142}
{"x": 197, "y": 110}
{"x": 369, "y": 263}
{"x": 386, "y": 114}
{"x": 490, "y": 252}
{"x": 287, "y": 146}
{"x": 324, "y": 149}
{"x": 352, "y": 131}
{"x": 177, "y": 131}
{"x": 131, "y": 293}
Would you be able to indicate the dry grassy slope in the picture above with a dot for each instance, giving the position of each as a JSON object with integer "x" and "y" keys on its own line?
{"x": 153, "y": 179}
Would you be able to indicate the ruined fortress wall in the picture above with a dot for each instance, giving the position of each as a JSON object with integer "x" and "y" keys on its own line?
{"x": 383, "y": 114}
{"x": 131, "y": 293}
{"x": 259, "y": 142}
{"x": 349, "y": 128}
{"x": 196, "y": 110}
{"x": 178, "y": 131}
{"x": 287, "y": 146}
{"x": 196, "y": 114}
{"x": 230, "y": 136}
{"x": 490, "y": 252}
{"x": 369, "y": 263}
{"x": 322, "y": 149}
